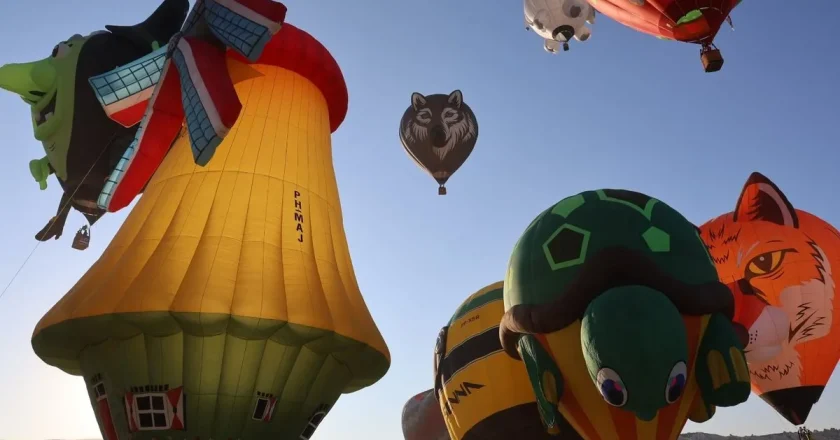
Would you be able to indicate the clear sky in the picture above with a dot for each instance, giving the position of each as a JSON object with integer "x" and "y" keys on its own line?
{"x": 623, "y": 110}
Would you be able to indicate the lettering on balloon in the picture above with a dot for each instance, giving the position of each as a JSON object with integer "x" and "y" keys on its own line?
{"x": 470, "y": 319}
{"x": 299, "y": 216}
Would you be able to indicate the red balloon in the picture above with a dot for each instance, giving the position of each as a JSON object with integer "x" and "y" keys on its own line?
{"x": 695, "y": 21}
{"x": 422, "y": 418}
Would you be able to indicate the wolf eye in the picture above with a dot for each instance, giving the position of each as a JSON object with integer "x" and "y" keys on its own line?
{"x": 424, "y": 116}
{"x": 766, "y": 263}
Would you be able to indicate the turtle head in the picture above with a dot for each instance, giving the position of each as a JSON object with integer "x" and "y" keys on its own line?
{"x": 635, "y": 346}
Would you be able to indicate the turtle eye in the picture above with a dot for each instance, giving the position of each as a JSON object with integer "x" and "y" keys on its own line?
{"x": 676, "y": 382}
{"x": 611, "y": 387}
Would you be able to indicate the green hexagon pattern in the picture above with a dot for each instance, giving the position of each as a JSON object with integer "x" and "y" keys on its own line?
{"x": 657, "y": 239}
{"x": 581, "y": 256}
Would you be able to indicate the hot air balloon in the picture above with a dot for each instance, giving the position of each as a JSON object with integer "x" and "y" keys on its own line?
{"x": 616, "y": 309}
{"x": 185, "y": 84}
{"x": 691, "y": 22}
{"x": 422, "y": 419}
{"x": 439, "y": 132}
{"x": 779, "y": 263}
{"x": 82, "y": 144}
{"x": 484, "y": 393}
{"x": 226, "y": 305}
{"x": 557, "y": 21}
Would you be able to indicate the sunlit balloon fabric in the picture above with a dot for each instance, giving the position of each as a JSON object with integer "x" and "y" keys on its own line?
{"x": 422, "y": 419}
{"x": 781, "y": 263}
{"x": 691, "y": 21}
{"x": 485, "y": 395}
{"x": 615, "y": 308}
{"x": 226, "y": 306}
{"x": 182, "y": 83}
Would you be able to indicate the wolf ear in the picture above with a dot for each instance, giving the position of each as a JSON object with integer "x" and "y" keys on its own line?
{"x": 418, "y": 101}
{"x": 456, "y": 98}
{"x": 762, "y": 200}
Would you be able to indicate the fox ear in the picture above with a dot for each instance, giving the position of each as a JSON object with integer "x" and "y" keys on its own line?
{"x": 456, "y": 98}
{"x": 762, "y": 200}
{"x": 417, "y": 101}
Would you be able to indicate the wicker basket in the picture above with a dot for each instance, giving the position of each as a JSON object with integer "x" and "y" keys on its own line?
{"x": 712, "y": 60}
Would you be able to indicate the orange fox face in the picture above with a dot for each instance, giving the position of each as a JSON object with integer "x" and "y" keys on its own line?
{"x": 779, "y": 263}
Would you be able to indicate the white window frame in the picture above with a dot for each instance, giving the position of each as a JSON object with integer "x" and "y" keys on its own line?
{"x": 265, "y": 411}
{"x": 166, "y": 411}
{"x": 313, "y": 425}
{"x": 99, "y": 396}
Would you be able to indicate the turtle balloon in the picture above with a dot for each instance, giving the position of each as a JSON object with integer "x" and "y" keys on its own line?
{"x": 614, "y": 305}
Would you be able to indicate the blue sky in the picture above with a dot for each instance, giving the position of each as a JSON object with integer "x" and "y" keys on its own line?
{"x": 623, "y": 110}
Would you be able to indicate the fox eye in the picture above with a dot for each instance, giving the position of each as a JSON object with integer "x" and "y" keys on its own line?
{"x": 766, "y": 263}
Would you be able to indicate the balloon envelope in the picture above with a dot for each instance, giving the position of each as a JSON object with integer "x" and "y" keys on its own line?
{"x": 422, "y": 419}
{"x": 670, "y": 19}
{"x": 485, "y": 394}
{"x": 82, "y": 144}
{"x": 439, "y": 132}
{"x": 779, "y": 262}
{"x": 611, "y": 293}
{"x": 226, "y": 305}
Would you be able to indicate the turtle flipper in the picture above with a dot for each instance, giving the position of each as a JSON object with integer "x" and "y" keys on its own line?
{"x": 721, "y": 368}
{"x": 546, "y": 380}
{"x": 700, "y": 411}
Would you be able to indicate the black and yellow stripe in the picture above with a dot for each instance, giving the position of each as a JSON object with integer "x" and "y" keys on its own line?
{"x": 486, "y": 393}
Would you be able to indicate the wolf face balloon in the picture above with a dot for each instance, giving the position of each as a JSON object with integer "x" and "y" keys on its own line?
{"x": 439, "y": 132}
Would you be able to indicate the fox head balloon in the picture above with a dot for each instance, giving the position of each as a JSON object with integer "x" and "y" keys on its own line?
{"x": 779, "y": 262}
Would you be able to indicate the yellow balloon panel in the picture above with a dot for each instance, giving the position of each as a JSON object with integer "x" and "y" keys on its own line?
{"x": 255, "y": 234}
{"x": 484, "y": 393}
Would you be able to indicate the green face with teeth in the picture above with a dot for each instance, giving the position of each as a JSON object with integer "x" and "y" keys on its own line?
{"x": 48, "y": 86}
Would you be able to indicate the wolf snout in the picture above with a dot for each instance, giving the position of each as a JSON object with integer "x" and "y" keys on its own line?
{"x": 438, "y": 136}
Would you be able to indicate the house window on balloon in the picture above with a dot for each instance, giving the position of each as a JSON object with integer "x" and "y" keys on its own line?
{"x": 155, "y": 408}
{"x": 264, "y": 407}
{"x": 314, "y": 421}
{"x": 151, "y": 411}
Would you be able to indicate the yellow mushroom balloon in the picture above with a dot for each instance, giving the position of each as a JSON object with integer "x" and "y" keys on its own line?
{"x": 226, "y": 306}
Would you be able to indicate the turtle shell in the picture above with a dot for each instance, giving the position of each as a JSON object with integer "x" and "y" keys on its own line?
{"x": 596, "y": 240}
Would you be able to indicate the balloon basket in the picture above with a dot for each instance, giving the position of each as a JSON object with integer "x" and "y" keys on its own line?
{"x": 712, "y": 60}
{"x": 82, "y": 239}
{"x": 442, "y": 191}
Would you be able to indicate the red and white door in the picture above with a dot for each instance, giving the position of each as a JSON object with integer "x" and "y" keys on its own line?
{"x": 103, "y": 410}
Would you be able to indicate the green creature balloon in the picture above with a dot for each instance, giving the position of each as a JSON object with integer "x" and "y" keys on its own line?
{"x": 614, "y": 305}
{"x": 82, "y": 144}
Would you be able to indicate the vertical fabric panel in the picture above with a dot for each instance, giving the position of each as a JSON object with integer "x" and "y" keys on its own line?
{"x": 233, "y": 280}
